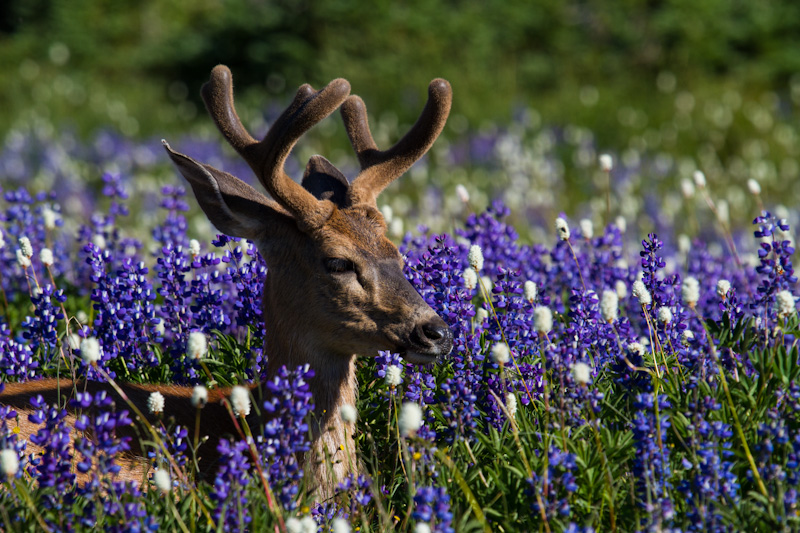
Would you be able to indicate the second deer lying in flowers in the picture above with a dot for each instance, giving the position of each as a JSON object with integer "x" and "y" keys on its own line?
{"x": 335, "y": 287}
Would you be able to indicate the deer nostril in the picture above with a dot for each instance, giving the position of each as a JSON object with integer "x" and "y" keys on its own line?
{"x": 435, "y": 331}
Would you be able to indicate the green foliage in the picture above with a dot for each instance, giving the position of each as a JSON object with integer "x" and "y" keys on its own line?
{"x": 151, "y": 57}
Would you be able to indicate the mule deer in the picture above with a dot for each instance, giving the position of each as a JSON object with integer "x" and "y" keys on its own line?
{"x": 335, "y": 286}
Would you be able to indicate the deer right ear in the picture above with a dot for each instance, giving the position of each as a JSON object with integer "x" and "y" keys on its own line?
{"x": 232, "y": 206}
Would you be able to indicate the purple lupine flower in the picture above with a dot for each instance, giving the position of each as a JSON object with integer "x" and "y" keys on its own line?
{"x": 497, "y": 240}
{"x": 248, "y": 278}
{"x": 173, "y": 230}
{"x": 23, "y": 216}
{"x": 42, "y": 328}
{"x": 17, "y": 358}
{"x": 124, "y": 301}
{"x": 459, "y": 405}
{"x": 651, "y": 466}
{"x": 384, "y": 360}
{"x": 99, "y": 418}
{"x": 432, "y": 504}
{"x": 123, "y": 505}
{"x": 286, "y": 434}
{"x": 434, "y": 266}
{"x": 554, "y": 486}
{"x": 9, "y": 439}
{"x": 663, "y": 290}
{"x": 53, "y": 468}
{"x": 711, "y": 484}
{"x": 359, "y": 495}
{"x": 775, "y": 263}
{"x": 208, "y": 299}
{"x": 230, "y": 486}
{"x": 326, "y": 512}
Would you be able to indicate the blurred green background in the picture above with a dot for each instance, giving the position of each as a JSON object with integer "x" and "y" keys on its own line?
{"x": 139, "y": 64}
{"x": 540, "y": 89}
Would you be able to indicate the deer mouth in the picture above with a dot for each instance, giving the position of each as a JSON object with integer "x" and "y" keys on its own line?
{"x": 418, "y": 358}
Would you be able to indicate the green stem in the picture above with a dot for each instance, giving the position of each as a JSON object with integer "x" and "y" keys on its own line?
{"x": 22, "y": 489}
{"x": 462, "y": 483}
{"x": 739, "y": 431}
{"x": 736, "y": 422}
{"x": 607, "y": 468}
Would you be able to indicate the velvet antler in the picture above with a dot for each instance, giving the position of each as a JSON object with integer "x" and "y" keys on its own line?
{"x": 380, "y": 168}
{"x": 267, "y": 157}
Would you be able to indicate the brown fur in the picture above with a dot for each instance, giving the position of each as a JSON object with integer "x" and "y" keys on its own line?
{"x": 216, "y": 423}
{"x": 314, "y": 314}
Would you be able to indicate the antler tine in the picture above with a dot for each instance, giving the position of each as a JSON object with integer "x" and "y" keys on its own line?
{"x": 217, "y": 94}
{"x": 380, "y": 168}
{"x": 354, "y": 114}
{"x": 268, "y": 156}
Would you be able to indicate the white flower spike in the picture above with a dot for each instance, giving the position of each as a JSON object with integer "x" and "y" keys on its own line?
{"x": 394, "y": 375}
{"x": 786, "y": 303}
{"x": 609, "y": 306}
{"x": 348, "y": 413}
{"x": 197, "y": 345}
{"x": 723, "y": 286}
{"x": 529, "y": 291}
{"x": 500, "y": 353}
{"x": 470, "y": 279}
{"x": 690, "y": 291}
{"x": 606, "y": 162}
{"x": 581, "y": 373}
{"x": 162, "y": 481}
{"x": 90, "y": 350}
{"x": 562, "y": 229}
{"x": 9, "y": 462}
{"x": 641, "y": 293}
{"x": 462, "y": 193}
{"x": 475, "y": 257}
{"x": 46, "y": 256}
{"x": 199, "y": 396}
{"x": 542, "y": 319}
{"x": 240, "y": 401}
{"x": 410, "y": 419}
{"x": 155, "y": 403}
{"x": 25, "y": 246}
{"x": 587, "y": 228}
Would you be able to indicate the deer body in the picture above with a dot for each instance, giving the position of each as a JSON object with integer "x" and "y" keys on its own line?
{"x": 335, "y": 287}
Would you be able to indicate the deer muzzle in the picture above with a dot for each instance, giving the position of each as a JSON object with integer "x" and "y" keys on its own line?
{"x": 429, "y": 340}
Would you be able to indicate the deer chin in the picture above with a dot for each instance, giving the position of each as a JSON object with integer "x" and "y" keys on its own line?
{"x": 418, "y": 358}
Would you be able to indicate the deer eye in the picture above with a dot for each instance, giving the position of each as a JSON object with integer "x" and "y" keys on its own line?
{"x": 336, "y": 265}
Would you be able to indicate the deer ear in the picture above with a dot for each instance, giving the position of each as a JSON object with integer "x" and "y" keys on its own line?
{"x": 232, "y": 206}
{"x": 325, "y": 181}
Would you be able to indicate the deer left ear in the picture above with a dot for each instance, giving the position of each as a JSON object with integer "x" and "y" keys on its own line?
{"x": 232, "y": 206}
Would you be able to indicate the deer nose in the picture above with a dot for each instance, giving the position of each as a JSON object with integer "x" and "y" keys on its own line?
{"x": 434, "y": 336}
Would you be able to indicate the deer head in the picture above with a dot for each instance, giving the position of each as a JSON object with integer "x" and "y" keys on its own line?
{"x": 335, "y": 285}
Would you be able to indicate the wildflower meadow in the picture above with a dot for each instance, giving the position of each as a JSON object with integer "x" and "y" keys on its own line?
{"x": 631, "y": 365}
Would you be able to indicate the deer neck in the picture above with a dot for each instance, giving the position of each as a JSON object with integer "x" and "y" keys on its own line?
{"x": 333, "y": 449}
